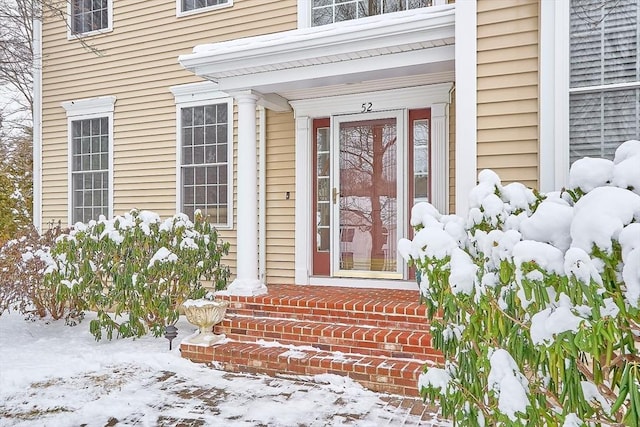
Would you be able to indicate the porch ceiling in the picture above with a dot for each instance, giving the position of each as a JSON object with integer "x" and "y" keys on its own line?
{"x": 419, "y": 41}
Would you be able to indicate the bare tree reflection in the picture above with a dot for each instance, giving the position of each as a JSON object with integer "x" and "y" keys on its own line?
{"x": 368, "y": 202}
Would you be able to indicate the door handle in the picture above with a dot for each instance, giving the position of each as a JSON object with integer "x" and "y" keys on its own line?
{"x": 335, "y": 195}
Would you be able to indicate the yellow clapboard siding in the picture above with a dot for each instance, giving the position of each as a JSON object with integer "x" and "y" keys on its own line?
{"x": 507, "y": 161}
{"x": 527, "y": 176}
{"x": 279, "y": 190}
{"x": 507, "y": 41}
{"x": 280, "y": 178}
{"x": 279, "y": 261}
{"x": 515, "y": 147}
{"x": 507, "y": 121}
{"x": 511, "y": 52}
{"x": 508, "y": 26}
{"x": 509, "y": 10}
{"x": 496, "y": 136}
{"x": 138, "y": 64}
{"x": 515, "y": 80}
{"x": 505, "y": 107}
{"x": 517, "y": 66}
{"x": 167, "y": 162}
{"x": 508, "y": 94}
{"x": 507, "y": 85}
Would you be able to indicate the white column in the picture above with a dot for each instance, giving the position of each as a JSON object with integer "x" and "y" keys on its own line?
{"x": 466, "y": 107}
{"x": 247, "y": 281}
{"x": 440, "y": 156}
{"x": 37, "y": 120}
{"x": 304, "y": 170}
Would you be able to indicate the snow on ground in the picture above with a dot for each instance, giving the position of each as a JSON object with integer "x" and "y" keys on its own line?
{"x": 56, "y": 375}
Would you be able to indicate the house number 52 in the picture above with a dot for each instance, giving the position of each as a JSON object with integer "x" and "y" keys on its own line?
{"x": 366, "y": 107}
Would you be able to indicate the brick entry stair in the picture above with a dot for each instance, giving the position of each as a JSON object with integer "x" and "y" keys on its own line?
{"x": 378, "y": 337}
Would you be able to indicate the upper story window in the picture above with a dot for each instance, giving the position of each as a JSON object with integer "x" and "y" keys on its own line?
{"x": 604, "y": 77}
{"x": 186, "y": 6}
{"x": 89, "y": 16}
{"x": 325, "y": 12}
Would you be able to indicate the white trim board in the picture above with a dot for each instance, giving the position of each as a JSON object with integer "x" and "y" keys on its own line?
{"x": 398, "y": 44}
{"x": 185, "y": 13}
{"x": 466, "y": 103}
{"x": 37, "y": 122}
{"x": 88, "y": 106}
{"x": 554, "y": 95}
{"x": 392, "y": 99}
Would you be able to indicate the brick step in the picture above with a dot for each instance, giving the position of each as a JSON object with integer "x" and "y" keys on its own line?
{"x": 381, "y": 374}
{"x": 378, "y": 337}
{"x": 397, "y": 309}
{"x": 327, "y": 315}
{"x": 332, "y": 337}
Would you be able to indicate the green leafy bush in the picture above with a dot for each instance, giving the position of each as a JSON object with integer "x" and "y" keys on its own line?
{"x": 136, "y": 270}
{"x": 534, "y": 301}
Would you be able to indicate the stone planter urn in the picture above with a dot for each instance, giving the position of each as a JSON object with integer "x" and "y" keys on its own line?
{"x": 204, "y": 314}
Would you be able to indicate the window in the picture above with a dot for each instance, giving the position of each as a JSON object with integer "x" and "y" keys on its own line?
{"x": 89, "y": 16}
{"x": 419, "y": 141}
{"x": 90, "y": 141}
{"x": 201, "y": 5}
{"x": 604, "y": 76}
{"x": 89, "y": 169}
{"x": 589, "y": 82}
{"x": 205, "y": 158}
{"x": 325, "y": 12}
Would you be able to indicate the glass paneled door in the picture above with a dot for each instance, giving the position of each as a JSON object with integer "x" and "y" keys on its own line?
{"x": 367, "y": 194}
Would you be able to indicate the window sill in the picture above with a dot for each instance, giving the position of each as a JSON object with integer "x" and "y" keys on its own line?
{"x": 77, "y": 36}
{"x": 182, "y": 14}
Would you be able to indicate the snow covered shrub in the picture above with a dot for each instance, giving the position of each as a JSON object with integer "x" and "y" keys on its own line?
{"x": 136, "y": 270}
{"x": 534, "y": 300}
{"x": 23, "y": 262}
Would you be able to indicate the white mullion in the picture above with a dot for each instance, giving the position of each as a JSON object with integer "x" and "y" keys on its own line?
{"x": 606, "y": 87}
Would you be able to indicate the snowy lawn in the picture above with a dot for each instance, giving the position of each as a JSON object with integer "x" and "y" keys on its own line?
{"x": 56, "y": 375}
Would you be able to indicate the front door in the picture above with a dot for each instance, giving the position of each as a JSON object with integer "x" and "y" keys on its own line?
{"x": 359, "y": 194}
{"x": 369, "y": 170}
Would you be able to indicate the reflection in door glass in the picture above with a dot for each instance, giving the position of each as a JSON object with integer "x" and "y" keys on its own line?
{"x": 368, "y": 195}
{"x": 421, "y": 160}
{"x": 323, "y": 213}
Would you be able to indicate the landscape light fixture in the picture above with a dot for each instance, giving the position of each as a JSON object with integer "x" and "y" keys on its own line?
{"x": 170, "y": 332}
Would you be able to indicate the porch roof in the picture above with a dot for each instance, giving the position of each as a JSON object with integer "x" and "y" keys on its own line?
{"x": 419, "y": 41}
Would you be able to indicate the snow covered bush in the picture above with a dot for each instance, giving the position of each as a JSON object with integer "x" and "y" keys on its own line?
{"x": 136, "y": 270}
{"x": 534, "y": 299}
{"x": 23, "y": 262}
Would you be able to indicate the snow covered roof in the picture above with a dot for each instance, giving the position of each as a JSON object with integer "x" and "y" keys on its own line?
{"x": 402, "y": 37}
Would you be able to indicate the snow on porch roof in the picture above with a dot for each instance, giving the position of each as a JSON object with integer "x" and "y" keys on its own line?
{"x": 430, "y": 28}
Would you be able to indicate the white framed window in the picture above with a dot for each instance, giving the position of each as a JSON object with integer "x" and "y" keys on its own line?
{"x": 204, "y": 167}
{"x": 90, "y": 153}
{"x": 604, "y": 76}
{"x": 88, "y": 17}
{"x": 188, "y": 7}
{"x": 314, "y": 13}
{"x": 590, "y": 82}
